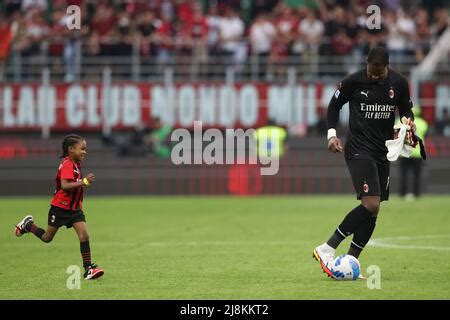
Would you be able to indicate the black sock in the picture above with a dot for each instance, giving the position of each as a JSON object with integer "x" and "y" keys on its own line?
{"x": 362, "y": 236}
{"x": 348, "y": 226}
{"x": 85, "y": 253}
{"x": 34, "y": 229}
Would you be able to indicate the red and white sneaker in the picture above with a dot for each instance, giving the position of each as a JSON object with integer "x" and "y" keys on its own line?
{"x": 21, "y": 226}
{"x": 92, "y": 272}
{"x": 325, "y": 255}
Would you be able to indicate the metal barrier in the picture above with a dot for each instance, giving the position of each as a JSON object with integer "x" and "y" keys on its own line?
{"x": 131, "y": 65}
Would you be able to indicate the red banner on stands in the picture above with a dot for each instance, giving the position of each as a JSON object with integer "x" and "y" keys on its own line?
{"x": 66, "y": 107}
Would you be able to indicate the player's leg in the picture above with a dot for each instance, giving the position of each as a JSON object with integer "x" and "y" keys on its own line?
{"x": 27, "y": 225}
{"x": 362, "y": 234}
{"x": 91, "y": 270}
{"x": 81, "y": 230}
{"x": 45, "y": 236}
{"x": 364, "y": 173}
{"x": 372, "y": 203}
{"x": 364, "y": 177}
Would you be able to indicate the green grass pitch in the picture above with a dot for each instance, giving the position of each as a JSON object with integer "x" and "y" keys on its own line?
{"x": 225, "y": 248}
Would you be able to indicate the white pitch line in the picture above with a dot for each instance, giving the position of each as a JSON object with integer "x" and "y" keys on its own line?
{"x": 387, "y": 242}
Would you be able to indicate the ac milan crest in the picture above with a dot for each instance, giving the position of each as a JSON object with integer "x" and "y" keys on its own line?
{"x": 391, "y": 93}
{"x": 365, "y": 188}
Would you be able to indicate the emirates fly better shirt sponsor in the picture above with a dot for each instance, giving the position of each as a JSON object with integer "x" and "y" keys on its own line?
{"x": 372, "y": 112}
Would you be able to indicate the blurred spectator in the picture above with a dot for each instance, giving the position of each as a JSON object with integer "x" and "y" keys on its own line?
{"x": 262, "y": 33}
{"x": 158, "y": 139}
{"x": 306, "y": 31}
{"x": 392, "y": 5}
{"x": 164, "y": 41}
{"x": 102, "y": 25}
{"x": 124, "y": 35}
{"x": 136, "y": 7}
{"x": 321, "y": 127}
{"x": 286, "y": 23}
{"x": 441, "y": 22}
{"x": 423, "y": 34}
{"x": 166, "y": 9}
{"x": 6, "y": 38}
{"x": 374, "y": 37}
{"x": 400, "y": 39}
{"x": 147, "y": 26}
{"x": 443, "y": 124}
{"x": 413, "y": 164}
{"x": 129, "y": 143}
{"x": 261, "y": 7}
{"x": 231, "y": 31}
{"x": 198, "y": 34}
{"x": 33, "y": 31}
{"x": 213, "y": 21}
{"x": 336, "y": 20}
{"x": 341, "y": 43}
{"x": 338, "y": 44}
{"x": 185, "y": 10}
{"x": 40, "y": 5}
{"x": 182, "y": 45}
{"x": 10, "y": 6}
{"x": 342, "y": 46}
{"x": 271, "y": 140}
{"x": 65, "y": 42}
{"x": 432, "y": 6}
{"x": 311, "y": 30}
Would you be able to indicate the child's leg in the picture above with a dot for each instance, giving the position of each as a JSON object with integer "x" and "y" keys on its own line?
{"x": 45, "y": 236}
{"x": 91, "y": 270}
{"x": 81, "y": 230}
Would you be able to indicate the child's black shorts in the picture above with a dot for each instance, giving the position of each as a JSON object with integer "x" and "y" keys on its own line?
{"x": 58, "y": 217}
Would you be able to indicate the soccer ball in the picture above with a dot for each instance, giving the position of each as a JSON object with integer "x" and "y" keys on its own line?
{"x": 345, "y": 267}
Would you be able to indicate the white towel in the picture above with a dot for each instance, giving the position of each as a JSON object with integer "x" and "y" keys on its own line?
{"x": 397, "y": 147}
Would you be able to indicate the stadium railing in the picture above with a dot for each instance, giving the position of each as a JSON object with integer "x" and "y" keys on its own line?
{"x": 133, "y": 66}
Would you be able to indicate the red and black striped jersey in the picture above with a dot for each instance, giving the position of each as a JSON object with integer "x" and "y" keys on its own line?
{"x": 71, "y": 199}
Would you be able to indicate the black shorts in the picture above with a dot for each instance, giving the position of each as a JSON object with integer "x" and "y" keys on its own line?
{"x": 370, "y": 178}
{"x": 58, "y": 217}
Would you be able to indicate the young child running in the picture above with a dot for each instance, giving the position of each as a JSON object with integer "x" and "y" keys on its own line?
{"x": 66, "y": 205}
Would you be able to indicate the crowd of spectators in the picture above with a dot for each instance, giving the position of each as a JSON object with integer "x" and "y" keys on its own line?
{"x": 276, "y": 32}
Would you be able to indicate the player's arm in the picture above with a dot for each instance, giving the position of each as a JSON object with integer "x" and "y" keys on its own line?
{"x": 340, "y": 97}
{"x": 69, "y": 184}
{"x": 68, "y": 178}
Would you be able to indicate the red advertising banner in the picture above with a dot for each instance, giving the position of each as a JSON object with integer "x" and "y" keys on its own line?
{"x": 65, "y": 107}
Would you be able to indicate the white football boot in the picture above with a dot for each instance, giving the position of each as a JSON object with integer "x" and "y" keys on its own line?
{"x": 20, "y": 227}
{"x": 325, "y": 255}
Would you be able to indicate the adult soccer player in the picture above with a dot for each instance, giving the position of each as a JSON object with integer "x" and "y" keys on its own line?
{"x": 374, "y": 94}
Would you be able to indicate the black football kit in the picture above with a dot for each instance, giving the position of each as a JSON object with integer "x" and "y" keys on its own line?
{"x": 372, "y": 116}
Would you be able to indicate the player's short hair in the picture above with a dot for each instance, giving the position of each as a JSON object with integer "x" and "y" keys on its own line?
{"x": 378, "y": 56}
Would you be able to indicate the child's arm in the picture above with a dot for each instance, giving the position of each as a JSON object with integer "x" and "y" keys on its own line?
{"x": 67, "y": 185}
